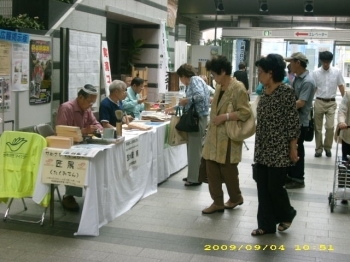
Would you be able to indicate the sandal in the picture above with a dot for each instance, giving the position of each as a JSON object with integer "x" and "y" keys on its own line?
{"x": 283, "y": 226}
{"x": 258, "y": 232}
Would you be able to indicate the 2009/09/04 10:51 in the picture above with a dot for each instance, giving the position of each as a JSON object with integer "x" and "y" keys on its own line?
{"x": 247, "y": 247}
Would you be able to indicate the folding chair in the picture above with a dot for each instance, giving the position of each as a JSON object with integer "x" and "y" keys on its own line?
{"x": 19, "y": 163}
{"x": 46, "y": 130}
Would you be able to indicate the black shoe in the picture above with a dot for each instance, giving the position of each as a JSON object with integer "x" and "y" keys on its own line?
{"x": 294, "y": 184}
{"x": 328, "y": 153}
{"x": 288, "y": 180}
{"x": 184, "y": 179}
{"x": 318, "y": 154}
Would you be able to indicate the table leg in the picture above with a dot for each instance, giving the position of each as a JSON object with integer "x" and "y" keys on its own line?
{"x": 52, "y": 204}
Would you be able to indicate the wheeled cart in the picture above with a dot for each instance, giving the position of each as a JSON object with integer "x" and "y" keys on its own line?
{"x": 341, "y": 182}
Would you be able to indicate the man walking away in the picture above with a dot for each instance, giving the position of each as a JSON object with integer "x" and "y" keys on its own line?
{"x": 327, "y": 79}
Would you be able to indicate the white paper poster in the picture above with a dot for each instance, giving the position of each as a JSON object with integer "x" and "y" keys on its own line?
{"x": 20, "y": 67}
{"x": 84, "y": 61}
{"x": 132, "y": 152}
{"x": 5, "y": 91}
{"x": 163, "y": 59}
{"x": 106, "y": 67}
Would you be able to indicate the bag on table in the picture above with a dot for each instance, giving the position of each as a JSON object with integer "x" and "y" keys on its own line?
{"x": 310, "y": 131}
{"x": 189, "y": 121}
{"x": 239, "y": 130}
{"x": 176, "y": 137}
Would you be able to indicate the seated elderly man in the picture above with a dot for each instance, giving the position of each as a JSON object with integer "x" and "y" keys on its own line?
{"x": 108, "y": 106}
{"x": 133, "y": 103}
{"x": 78, "y": 112}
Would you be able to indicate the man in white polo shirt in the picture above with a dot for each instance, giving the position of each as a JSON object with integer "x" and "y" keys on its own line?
{"x": 327, "y": 79}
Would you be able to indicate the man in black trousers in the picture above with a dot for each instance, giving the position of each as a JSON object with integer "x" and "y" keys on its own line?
{"x": 241, "y": 75}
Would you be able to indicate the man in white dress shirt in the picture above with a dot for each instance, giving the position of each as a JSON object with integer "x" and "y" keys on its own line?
{"x": 327, "y": 79}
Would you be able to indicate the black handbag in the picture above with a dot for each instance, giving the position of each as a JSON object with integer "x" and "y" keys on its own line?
{"x": 189, "y": 121}
{"x": 310, "y": 130}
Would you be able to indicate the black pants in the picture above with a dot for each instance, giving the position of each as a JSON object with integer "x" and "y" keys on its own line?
{"x": 345, "y": 148}
{"x": 297, "y": 171}
{"x": 274, "y": 206}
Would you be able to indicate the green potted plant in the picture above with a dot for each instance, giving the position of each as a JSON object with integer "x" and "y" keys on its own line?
{"x": 134, "y": 51}
{"x": 21, "y": 21}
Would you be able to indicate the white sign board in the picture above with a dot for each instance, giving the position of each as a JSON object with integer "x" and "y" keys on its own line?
{"x": 63, "y": 170}
{"x": 132, "y": 152}
{"x": 106, "y": 67}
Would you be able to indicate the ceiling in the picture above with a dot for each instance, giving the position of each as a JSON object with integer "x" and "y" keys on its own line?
{"x": 280, "y": 14}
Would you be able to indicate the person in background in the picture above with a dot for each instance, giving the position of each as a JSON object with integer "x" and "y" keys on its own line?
{"x": 327, "y": 79}
{"x": 108, "y": 106}
{"x": 78, "y": 113}
{"x": 304, "y": 87}
{"x": 197, "y": 90}
{"x": 343, "y": 123}
{"x": 290, "y": 75}
{"x": 277, "y": 132}
{"x": 211, "y": 90}
{"x": 133, "y": 103}
{"x": 241, "y": 75}
{"x": 127, "y": 80}
{"x": 222, "y": 154}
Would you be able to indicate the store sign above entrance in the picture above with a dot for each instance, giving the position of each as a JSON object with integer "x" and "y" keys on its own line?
{"x": 315, "y": 34}
{"x": 14, "y": 36}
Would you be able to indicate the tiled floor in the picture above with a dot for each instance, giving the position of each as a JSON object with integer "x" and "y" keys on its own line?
{"x": 169, "y": 226}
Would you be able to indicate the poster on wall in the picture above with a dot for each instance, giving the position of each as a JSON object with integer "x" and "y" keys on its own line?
{"x": 5, "y": 58}
{"x": 20, "y": 67}
{"x": 84, "y": 62}
{"x": 40, "y": 72}
{"x": 5, "y": 92}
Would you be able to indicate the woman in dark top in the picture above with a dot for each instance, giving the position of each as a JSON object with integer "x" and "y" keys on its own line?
{"x": 276, "y": 137}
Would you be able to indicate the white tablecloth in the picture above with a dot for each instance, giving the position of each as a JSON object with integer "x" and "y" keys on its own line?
{"x": 112, "y": 190}
{"x": 170, "y": 158}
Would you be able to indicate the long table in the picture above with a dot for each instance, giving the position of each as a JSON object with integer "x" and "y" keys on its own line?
{"x": 112, "y": 189}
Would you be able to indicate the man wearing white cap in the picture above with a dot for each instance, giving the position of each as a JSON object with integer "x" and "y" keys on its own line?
{"x": 304, "y": 87}
{"x": 327, "y": 80}
{"x": 78, "y": 112}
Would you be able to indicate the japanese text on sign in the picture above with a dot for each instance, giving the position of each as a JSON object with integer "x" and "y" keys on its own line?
{"x": 14, "y": 36}
{"x": 132, "y": 152}
{"x": 63, "y": 170}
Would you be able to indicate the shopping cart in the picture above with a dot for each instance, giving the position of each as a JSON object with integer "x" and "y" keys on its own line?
{"x": 341, "y": 182}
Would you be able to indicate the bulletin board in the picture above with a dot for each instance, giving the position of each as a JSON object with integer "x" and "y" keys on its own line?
{"x": 14, "y": 67}
{"x": 84, "y": 65}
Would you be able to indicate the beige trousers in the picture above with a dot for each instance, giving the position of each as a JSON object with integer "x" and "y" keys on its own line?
{"x": 321, "y": 109}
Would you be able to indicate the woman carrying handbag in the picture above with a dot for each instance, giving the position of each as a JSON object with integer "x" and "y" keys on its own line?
{"x": 197, "y": 93}
{"x": 221, "y": 153}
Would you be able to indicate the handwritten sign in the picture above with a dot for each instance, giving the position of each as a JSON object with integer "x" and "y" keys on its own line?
{"x": 63, "y": 170}
{"x": 132, "y": 152}
{"x": 106, "y": 68}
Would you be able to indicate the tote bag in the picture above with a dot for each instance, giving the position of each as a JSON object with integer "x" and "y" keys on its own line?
{"x": 176, "y": 137}
{"x": 240, "y": 130}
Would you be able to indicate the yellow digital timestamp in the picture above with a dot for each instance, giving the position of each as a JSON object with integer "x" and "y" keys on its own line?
{"x": 314, "y": 247}
{"x": 246, "y": 247}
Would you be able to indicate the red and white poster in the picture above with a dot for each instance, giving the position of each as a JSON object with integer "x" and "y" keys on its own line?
{"x": 106, "y": 67}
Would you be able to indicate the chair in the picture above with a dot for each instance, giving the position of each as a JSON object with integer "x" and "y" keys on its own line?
{"x": 46, "y": 130}
{"x": 19, "y": 163}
